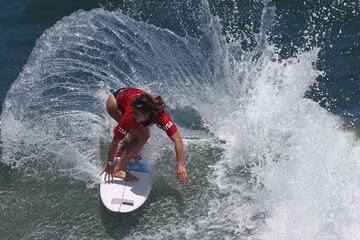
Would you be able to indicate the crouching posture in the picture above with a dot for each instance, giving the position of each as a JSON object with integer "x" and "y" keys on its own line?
{"x": 135, "y": 110}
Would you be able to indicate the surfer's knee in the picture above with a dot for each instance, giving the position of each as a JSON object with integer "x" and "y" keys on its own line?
{"x": 145, "y": 136}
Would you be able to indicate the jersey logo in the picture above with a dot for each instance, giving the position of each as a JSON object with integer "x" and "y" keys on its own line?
{"x": 122, "y": 131}
{"x": 168, "y": 126}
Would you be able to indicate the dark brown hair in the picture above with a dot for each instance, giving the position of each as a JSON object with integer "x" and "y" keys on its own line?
{"x": 144, "y": 103}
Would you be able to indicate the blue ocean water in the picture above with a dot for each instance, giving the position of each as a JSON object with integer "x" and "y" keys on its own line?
{"x": 265, "y": 94}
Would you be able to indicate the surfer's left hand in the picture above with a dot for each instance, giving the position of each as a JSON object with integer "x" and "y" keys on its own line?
{"x": 181, "y": 173}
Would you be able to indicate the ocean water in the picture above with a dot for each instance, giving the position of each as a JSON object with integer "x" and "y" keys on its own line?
{"x": 265, "y": 95}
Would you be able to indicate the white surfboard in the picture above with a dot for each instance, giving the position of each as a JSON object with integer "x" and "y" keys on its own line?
{"x": 124, "y": 196}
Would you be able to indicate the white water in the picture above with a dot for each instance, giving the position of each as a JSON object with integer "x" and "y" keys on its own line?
{"x": 287, "y": 169}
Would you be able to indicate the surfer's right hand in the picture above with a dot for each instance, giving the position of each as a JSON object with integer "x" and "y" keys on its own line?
{"x": 109, "y": 172}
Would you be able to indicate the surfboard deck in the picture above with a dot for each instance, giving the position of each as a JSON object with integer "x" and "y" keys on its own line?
{"x": 122, "y": 196}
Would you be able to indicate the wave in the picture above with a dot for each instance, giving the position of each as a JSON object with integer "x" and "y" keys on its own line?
{"x": 279, "y": 166}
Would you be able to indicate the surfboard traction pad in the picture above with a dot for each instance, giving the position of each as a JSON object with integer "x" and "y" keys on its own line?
{"x": 135, "y": 164}
{"x": 122, "y": 201}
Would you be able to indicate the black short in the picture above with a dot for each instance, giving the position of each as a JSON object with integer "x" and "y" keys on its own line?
{"x": 117, "y": 92}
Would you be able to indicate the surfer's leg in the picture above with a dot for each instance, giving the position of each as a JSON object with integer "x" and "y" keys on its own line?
{"x": 135, "y": 144}
{"x": 112, "y": 108}
{"x": 133, "y": 147}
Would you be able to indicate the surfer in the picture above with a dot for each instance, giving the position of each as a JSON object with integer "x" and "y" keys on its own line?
{"x": 135, "y": 110}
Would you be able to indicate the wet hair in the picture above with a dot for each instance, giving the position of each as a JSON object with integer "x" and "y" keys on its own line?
{"x": 145, "y": 104}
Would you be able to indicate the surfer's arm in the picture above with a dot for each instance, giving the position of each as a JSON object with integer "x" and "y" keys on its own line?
{"x": 113, "y": 148}
{"x": 109, "y": 169}
{"x": 166, "y": 123}
{"x": 179, "y": 150}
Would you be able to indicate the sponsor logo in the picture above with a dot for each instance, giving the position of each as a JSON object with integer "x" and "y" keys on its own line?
{"x": 168, "y": 125}
{"x": 122, "y": 131}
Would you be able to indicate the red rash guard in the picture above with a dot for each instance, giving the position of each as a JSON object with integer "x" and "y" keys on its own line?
{"x": 123, "y": 98}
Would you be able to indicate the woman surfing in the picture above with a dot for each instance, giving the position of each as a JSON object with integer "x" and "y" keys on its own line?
{"x": 135, "y": 110}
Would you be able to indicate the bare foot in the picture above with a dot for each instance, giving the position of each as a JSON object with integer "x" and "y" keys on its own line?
{"x": 125, "y": 175}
